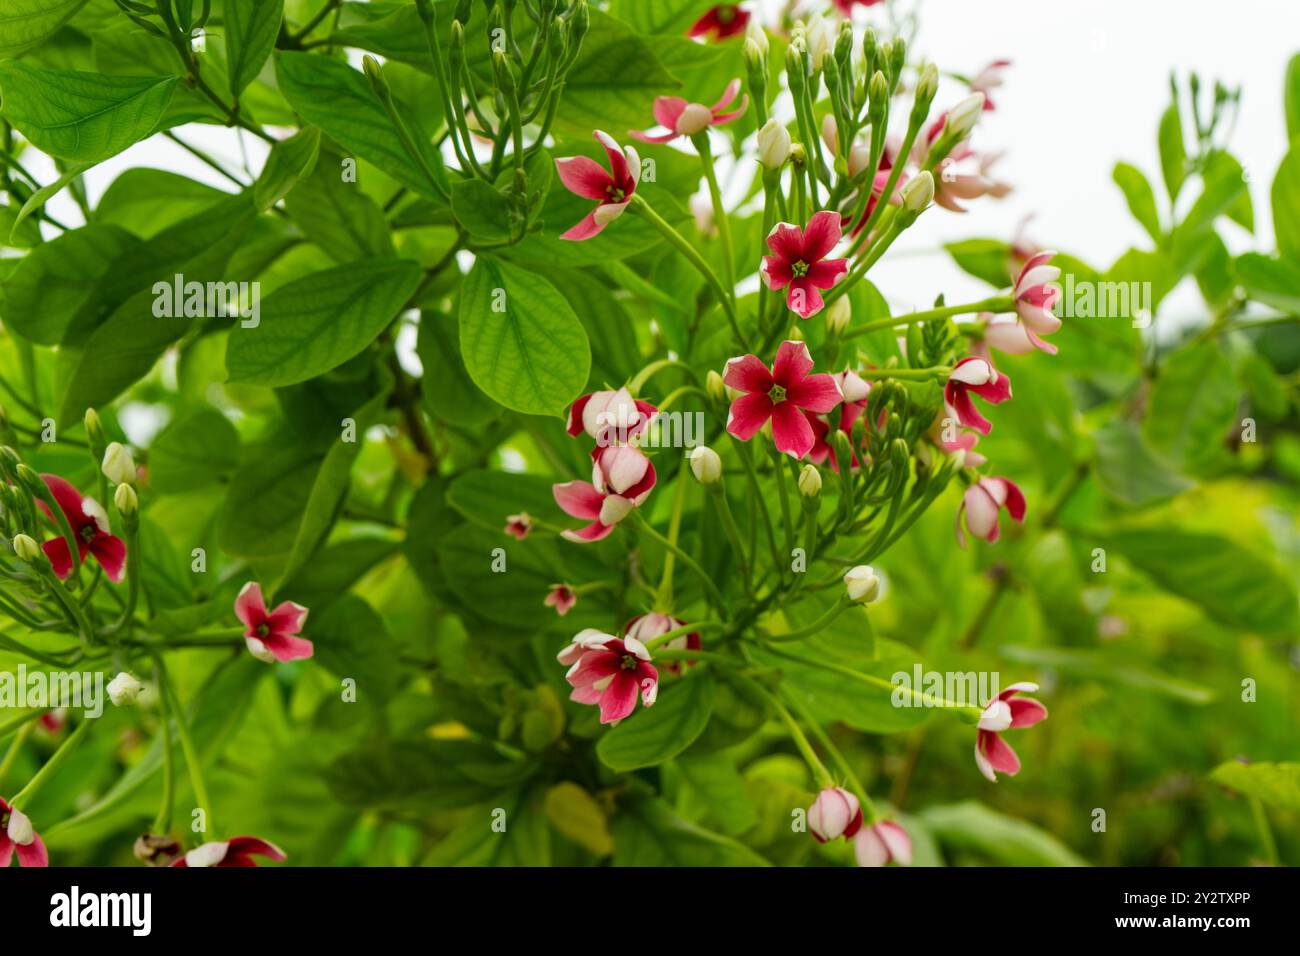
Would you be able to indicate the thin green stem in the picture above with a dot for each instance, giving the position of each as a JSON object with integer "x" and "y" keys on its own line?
{"x": 52, "y": 765}
{"x": 701, "y": 141}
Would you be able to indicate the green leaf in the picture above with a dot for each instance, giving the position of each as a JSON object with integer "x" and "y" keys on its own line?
{"x": 338, "y": 99}
{"x": 194, "y": 452}
{"x": 251, "y": 27}
{"x": 1224, "y": 192}
{"x": 525, "y": 840}
{"x": 972, "y": 828}
{"x": 38, "y": 199}
{"x": 648, "y": 833}
{"x": 147, "y": 201}
{"x": 1274, "y": 282}
{"x": 85, "y": 117}
{"x": 58, "y": 279}
{"x": 266, "y": 499}
{"x": 488, "y": 497}
{"x": 1129, "y": 470}
{"x": 578, "y": 816}
{"x": 721, "y": 788}
{"x": 337, "y": 216}
{"x": 655, "y": 734}
{"x": 353, "y": 641}
{"x": 1291, "y": 98}
{"x": 290, "y": 161}
{"x": 1233, "y": 585}
{"x": 1193, "y": 406}
{"x": 1141, "y": 200}
{"x": 1276, "y": 784}
{"x": 25, "y": 23}
{"x": 446, "y": 390}
{"x": 1173, "y": 152}
{"x": 318, "y": 322}
{"x": 481, "y": 209}
{"x": 1110, "y": 666}
{"x": 521, "y": 341}
{"x": 987, "y": 259}
{"x": 672, "y": 17}
{"x": 1286, "y": 205}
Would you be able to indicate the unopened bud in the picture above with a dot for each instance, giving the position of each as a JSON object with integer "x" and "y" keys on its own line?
{"x": 20, "y": 829}
{"x": 918, "y": 192}
{"x": 124, "y": 689}
{"x": 715, "y": 386}
{"x": 927, "y": 85}
{"x": 810, "y": 481}
{"x": 126, "y": 500}
{"x": 706, "y": 465}
{"x": 963, "y": 117}
{"x": 839, "y": 315}
{"x": 156, "y": 849}
{"x": 774, "y": 145}
{"x": 862, "y": 584}
{"x": 118, "y": 465}
{"x": 28, "y": 551}
{"x": 754, "y": 33}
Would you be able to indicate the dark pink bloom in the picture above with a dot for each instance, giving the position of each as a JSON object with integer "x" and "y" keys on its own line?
{"x": 621, "y": 478}
{"x": 976, "y": 375}
{"x": 782, "y": 395}
{"x": 237, "y": 851}
{"x": 1036, "y": 295}
{"x": 53, "y": 721}
{"x": 518, "y": 526}
{"x": 17, "y": 836}
{"x": 982, "y": 502}
{"x": 681, "y": 118}
{"x": 1007, "y": 712}
{"x": 274, "y": 635}
{"x": 989, "y": 79}
{"x": 608, "y": 671}
{"x": 610, "y": 416}
{"x": 613, "y": 190}
{"x": 90, "y": 527}
{"x": 562, "y": 598}
{"x": 846, "y": 6}
{"x": 799, "y": 261}
{"x": 724, "y": 20}
{"x": 835, "y": 813}
{"x": 884, "y": 843}
{"x": 855, "y": 390}
{"x": 649, "y": 626}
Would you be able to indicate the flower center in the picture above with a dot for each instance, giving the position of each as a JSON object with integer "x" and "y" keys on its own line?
{"x": 263, "y": 630}
{"x": 777, "y": 394}
{"x": 629, "y": 662}
{"x": 615, "y": 194}
{"x": 88, "y": 533}
{"x": 726, "y": 15}
{"x": 799, "y": 269}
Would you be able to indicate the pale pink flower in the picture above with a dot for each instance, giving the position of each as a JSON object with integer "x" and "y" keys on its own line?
{"x": 647, "y": 627}
{"x": 610, "y": 416}
{"x": 982, "y": 502}
{"x": 989, "y": 79}
{"x": 681, "y": 118}
{"x": 1008, "y": 712}
{"x": 886, "y": 842}
{"x": 835, "y": 813}
{"x": 621, "y": 479}
{"x": 1036, "y": 295}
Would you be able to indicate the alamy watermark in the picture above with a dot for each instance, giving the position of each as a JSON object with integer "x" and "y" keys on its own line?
{"x": 178, "y": 299}
{"x": 76, "y": 690}
{"x": 922, "y": 688}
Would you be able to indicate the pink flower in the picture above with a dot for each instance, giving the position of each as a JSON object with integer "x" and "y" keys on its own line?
{"x": 855, "y": 390}
{"x": 964, "y": 443}
{"x": 90, "y": 527}
{"x": 608, "y": 671}
{"x": 237, "y": 851}
{"x": 1036, "y": 295}
{"x": 835, "y": 813}
{"x": 989, "y": 79}
{"x": 518, "y": 526}
{"x": 585, "y": 177}
{"x": 562, "y": 598}
{"x": 724, "y": 20}
{"x": 781, "y": 395}
{"x": 982, "y": 502}
{"x": 878, "y": 184}
{"x": 275, "y": 635}
{"x": 649, "y": 626}
{"x": 17, "y": 835}
{"x": 621, "y": 478}
{"x": 976, "y": 375}
{"x": 952, "y": 185}
{"x": 1008, "y": 711}
{"x": 610, "y": 416}
{"x": 846, "y": 6}
{"x": 1007, "y": 335}
{"x": 681, "y": 118}
{"x": 799, "y": 261}
{"x": 886, "y": 842}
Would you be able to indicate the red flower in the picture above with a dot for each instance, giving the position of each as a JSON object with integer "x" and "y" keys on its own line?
{"x": 518, "y": 526}
{"x": 681, "y": 118}
{"x": 621, "y": 478}
{"x": 846, "y": 6}
{"x": 607, "y": 671}
{"x": 799, "y": 261}
{"x": 90, "y": 527}
{"x": 275, "y": 635}
{"x": 562, "y": 598}
{"x": 585, "y": 177}
{"x": 724, "y": 20}
{"x": 982, "y": 502}
{"x": 855, "y": 390}
{"x": 237, "y": 851}
{"x": 1008, "y": 711}
{"x": 649, "y": 626}
{"x": 17, "y": 835}
{"x": 976, "y": 375}
{"x": 782, "y": 395}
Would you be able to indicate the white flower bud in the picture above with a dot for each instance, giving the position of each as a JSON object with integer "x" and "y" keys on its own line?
{"x": 963, "y": 117}
{"x": 118, "y": 466}
{"x": 820, "y": 39}
{"x": 20, "y": 829}
{"x": 124, "y": 689}
{"x": 706, "y": 464}
{"x": 862, "y": 584}
{"x": 810, "y": 481}
{"x": 919, "y": 192}
{"x": 838, "y": 315}
{"x": 715, "y": 386}
{"x": 26, "y": 548}
{"x": 831, "y": 134}
{"x": 754, "y": 33}
{"x": 928, "y": 85}
{"x": 773, "y": 145}
{"x": 126, "y": 500}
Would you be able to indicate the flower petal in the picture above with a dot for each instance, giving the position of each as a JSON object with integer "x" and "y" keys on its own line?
{"x": 748, "y": 414}
{"x": 792, "y": 365}
{"x": 791, "y": 431}
{"x": 748, "y": 374}
{"x": 584, "y": 176}
{"x": 820, "y": 237}
{"x": 816, "y": 393}
{"x": 579, "y": 499}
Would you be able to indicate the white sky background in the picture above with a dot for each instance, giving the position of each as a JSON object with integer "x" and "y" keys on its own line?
{"x": 1101, "y": 65}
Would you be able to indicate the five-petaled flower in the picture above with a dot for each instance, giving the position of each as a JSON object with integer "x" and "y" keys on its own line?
{"x": 1036, "y": 295}
{"x": 1007, "y": 712}
{"x": 681, "y": 118}
{"x": 561, "y": 597}
{"x": 621, "y": 478}
{"x": 976, "y": 375}
{"x": 782, "y": 394}
{"x": 275, "y": 635}
{"x": 90, "y": 528}
{"x": 610, "y": 672}
{"x": 799, "y": 262}
{"x": 518, "y": 526}
{"x": 237, "y": 851}
{"x": 886, "y": 842}
{"x": 584, "y": 177}
{"x": 835, "y": 813}
{"x": 17, "y": 836}
{"x": 724, "y": 20}
{"x": 982, "y": 502}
